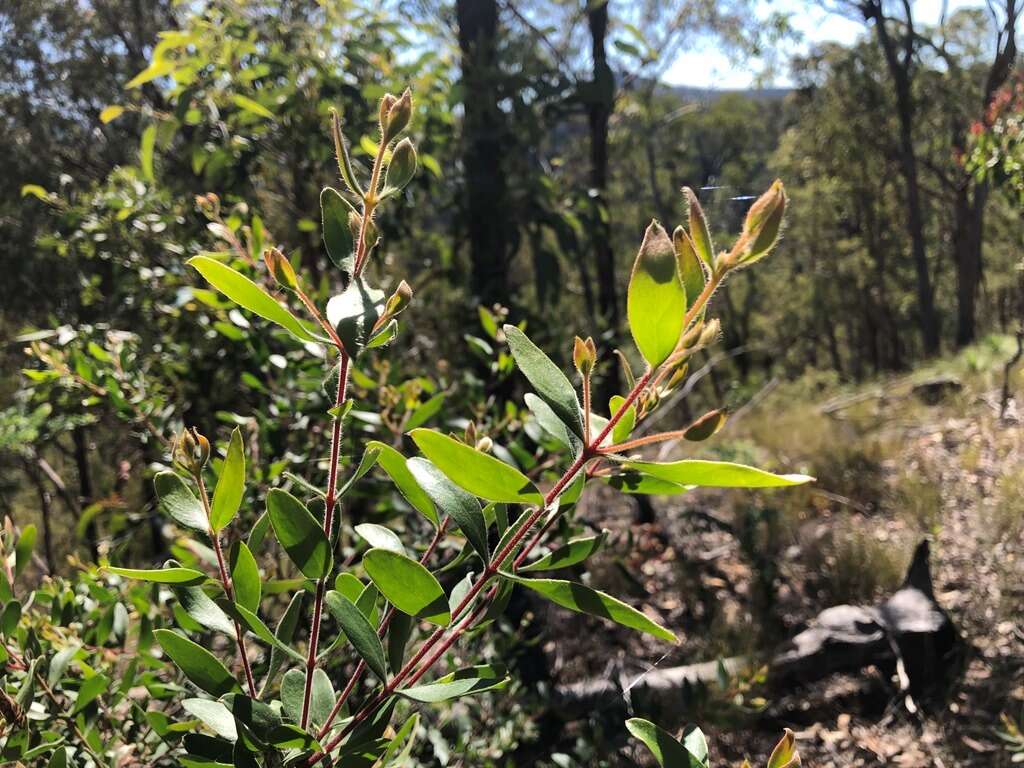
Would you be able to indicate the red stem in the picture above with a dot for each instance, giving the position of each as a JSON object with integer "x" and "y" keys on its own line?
{"x": 589, "y": 452}
{"x": 321, "y": 584}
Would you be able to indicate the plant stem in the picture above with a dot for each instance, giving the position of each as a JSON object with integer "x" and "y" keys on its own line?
{"x": 225, "y": 581}
{"x": 385, "y": 622}
{"x": 586, "y": 408}
{"x": 321, "y": 584}
{"x": 590, "y": 451}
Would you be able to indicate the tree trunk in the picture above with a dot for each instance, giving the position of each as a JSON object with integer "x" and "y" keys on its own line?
{"x": 900, "y": 69}
{"x": 483, "y": 144}
{"x": 85, "y": 489}
{"x": 967, "y": 241}
{"x": 599, "y": 109}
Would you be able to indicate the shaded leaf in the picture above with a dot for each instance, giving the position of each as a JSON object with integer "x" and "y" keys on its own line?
{"x": 575, "y": 551}
{"x": 359, "y": 632}
{"x": 338, "y": 239}
{"x": 547, "y": 379}
{"x": 463, "y": 507}
{"x": 393, "y": 462}
{"x": 245, "y": 576}
{"x": 463, "y": 682}
{"x": 179, "y": 503}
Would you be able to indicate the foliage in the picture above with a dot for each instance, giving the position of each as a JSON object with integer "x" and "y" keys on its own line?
{"x": 386, "y": 594}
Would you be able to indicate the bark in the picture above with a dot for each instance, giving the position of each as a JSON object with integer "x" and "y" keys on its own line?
{"x": 486, "y": 194}
{"x": 599, "y": 108}
{"x": 899, "y": 60}
{"x": 85, "y": 487}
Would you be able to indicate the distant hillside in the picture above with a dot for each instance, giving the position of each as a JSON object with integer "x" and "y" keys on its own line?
{"x": 691, "y": 93}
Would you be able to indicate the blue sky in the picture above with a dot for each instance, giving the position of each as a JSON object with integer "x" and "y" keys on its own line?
{"x": 705, "y": 66}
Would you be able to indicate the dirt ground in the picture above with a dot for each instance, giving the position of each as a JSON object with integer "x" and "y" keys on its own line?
{"x": 734, "y": 576}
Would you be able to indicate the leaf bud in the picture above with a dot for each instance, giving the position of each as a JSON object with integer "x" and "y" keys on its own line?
{"x": 706, "y": 426}
{"x": 584, "y": 355}
{"x": 470, "y": 436}
{"x": 397, "y": 117}
{"x": 386, "y": 103}
{"x": 677, "y": 376}
{"x": 209, "y": 205}
{"x": 398, "y": 300}
{"x": 281, "y": 269}
{"x": 763, "y": 224}
{"x": 402, "y": 166}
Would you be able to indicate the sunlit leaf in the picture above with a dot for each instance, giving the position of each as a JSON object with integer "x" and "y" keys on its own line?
{"x": 407, "y": 585}
{"x": 300, "y": 534}
{"x": 547, "y": 379}
{"x": 479, "y": 473}
{"x": 716, "y": 474}
{"x": 393, "y": 462}
{"x": 171, "y": 575}
{"x": 461, "y": 506}
{"x": 199, "y": 665}
{"x": 230, "y": 484}
{"x": 656, "y": 300}
{"x": 460, "y": 683}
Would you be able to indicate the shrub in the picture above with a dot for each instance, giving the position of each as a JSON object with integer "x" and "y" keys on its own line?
{"x": 380, "y": 619}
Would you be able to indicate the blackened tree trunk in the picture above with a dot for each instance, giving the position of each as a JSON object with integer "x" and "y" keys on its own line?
{"x": 899, "y": 57}
{"x": 85, "y": 488}
{"x": 483, "y": 137}
{"x": 601, "y": 99}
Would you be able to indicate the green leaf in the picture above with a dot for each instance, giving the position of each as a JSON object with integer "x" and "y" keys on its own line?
{"x": 179, "y": 503}
{"x": 576, "y": 551}
{"x": 146, "y": 147}
{"x": 322, "y": 698}
{"x": 784, "y": 755}
{"x": 688, "y": 263}
{"x": 198, "y": 605}
{"x": 393, "y": 462}
{"x": 258, "y": 531}
{"x": 91, "y": 689}
{"x": 581, "y": 599}
{"x": 639, "y": 483}
{"x": 370, "y": 456}
{"x": 10, "y": 617}
{"x": 59, "y": 665}
{"x": 300, "y": 534}
{"x": 463, "y": 507}
{"x": 354, "y": 311}
{"x": 158, "y": 68}
{"x": 245, "y": 576}
{"x": 479, "y": 473}
{"x": 624, "y": 427}
{"x": 424, "y": 412}
{"x": 255, "y": 624}
{"x": 359, "y": 632}
{"x": 293, "y": 689}
{"x": 547, "y": 378}
{"x": 380, "y": 537}
{"x": 227, "y": 497}
{"x": 59, "y": 758}
{"x": 249, "y": 105}
{"x": 23, "y": 549}
{"x": 656, "y": 301}
{"x": 199, "y": 665}
{"x": 161, "y": 575}
{"x": 250, "y": 296}
{"x": 553, "y": 425}
{"x": 460, "y": 683}
{"x": 668, "y": 752}
{"x": 35, "y": 190}
{"x": 716, "y": 474}
{"x": 700, "y": 234}
{"x": 283, "y": 634}
{"x": 399, "y": 631}
{"x": 214, "y": 715}
{"x": 111, "y": 113}
{"x": 337, "y": 235}
{"x": 407, "y": 585}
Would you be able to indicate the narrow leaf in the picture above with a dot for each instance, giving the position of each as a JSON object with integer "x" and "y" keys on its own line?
{"x": 250, "y": 296}
{"x": 161, "y": 575}
{"x": 581, "y": 599}
{"x": 199, "y": 665}
{"x": 576, "y": 551}
{"x": 179, "y": 503}
{"x": 546, "y": 377}
{"x": 359, "y": 632}
{"x": 479, "y": 473}
{"x": 337, "y": 235}
{"x": 90, "y": 690}
{"x": 198, "y": 605}
{"x": 463, "y": 507}
{"x": 460, "y": 683}
{"x": 716, "y": 474}
{"x": 393, "y": 462}
{"x": 554, "y": 426}
{"x": 300, "y": 534}
{"x": 230, "y": 485}
{"x": 245, "y": 576}
{"x": 668, "y": 752}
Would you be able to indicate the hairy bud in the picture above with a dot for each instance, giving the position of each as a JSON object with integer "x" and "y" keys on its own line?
{"x": 397, "y": 115}
{"x": 762, "y": 226}
{"x": 209, "y": 205}
{"x": 402, "y": 166}
{"x": 398, "y": 300}
{"x": 584, "y": 355}
{"x": 281, "y": 269}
